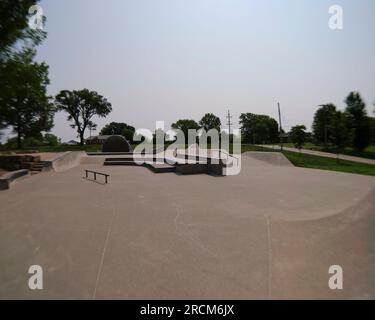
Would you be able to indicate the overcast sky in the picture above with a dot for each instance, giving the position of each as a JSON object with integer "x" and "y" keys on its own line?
{"x": 175, "y": 59}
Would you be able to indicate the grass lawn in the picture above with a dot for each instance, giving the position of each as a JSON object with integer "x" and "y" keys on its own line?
{"x": 316, "y": 162}
{"x": 323, "y": 163}
{"x": 59, "y": 148}
{"x": 368, "y": 153}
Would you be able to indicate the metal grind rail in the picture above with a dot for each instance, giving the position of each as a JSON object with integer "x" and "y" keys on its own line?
{"x": 95, "y": 173}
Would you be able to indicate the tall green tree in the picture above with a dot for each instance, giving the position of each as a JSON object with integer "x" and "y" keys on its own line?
{"x": 324, "y": 119}
{"x": 210, "y": 121}
{"x": 258, "y": 128}
{"x": 298, "y": 136}
{"x": 50, "y": 139}
{"x": 81, "y": 106}
{"x": 24, "y": 103}
{"x": 184, "y": 125}
{"x": 14, "y": 27}
{"x": 372, "y": 130}
{"x": 119, "y": 128}
{"x": 17, "y": 50}
{"x": 340, "y": 133}
{"x": 357, "y": 121}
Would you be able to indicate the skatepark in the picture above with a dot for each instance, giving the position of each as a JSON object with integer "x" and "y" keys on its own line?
{"x": 271, "y": 232}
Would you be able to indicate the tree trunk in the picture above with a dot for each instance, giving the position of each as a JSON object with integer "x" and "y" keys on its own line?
{"x": 82, "y": 139}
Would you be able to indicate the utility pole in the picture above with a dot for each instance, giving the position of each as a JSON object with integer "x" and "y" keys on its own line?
{"x": 229, "y": 121}
{"x": 280, "y": 127}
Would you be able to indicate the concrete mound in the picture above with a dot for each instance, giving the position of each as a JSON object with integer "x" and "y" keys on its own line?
{"x": 304, "y": 250}
{"x": 265, "y": 159}
{"x": 116, "y": 143}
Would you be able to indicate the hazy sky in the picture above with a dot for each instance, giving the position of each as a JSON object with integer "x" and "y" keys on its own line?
{"x": 174, "y": 59}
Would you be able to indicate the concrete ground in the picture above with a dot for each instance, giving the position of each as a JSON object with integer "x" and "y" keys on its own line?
{"x": 271, "y": 232}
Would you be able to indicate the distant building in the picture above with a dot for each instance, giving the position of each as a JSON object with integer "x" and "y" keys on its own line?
{"x": 71, "y": 143}
{"x": 97, "y": 139}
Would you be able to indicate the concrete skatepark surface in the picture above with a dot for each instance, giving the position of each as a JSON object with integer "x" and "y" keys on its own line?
{"x": 270, "y": 232}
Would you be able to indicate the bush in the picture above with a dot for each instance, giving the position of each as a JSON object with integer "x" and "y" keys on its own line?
{"x": 11, "y": 143}
{"x": 32, "y": 142}
{"x": 50, "y": 140}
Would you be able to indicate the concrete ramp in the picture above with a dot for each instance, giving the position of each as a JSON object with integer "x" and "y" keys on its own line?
{"x": 303, "y": 251}
{"x": 265, "y": 159}
{"x": 66, "y": 161}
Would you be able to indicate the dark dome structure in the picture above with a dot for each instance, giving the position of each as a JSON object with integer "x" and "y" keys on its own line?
{"x": 116, "y": 144}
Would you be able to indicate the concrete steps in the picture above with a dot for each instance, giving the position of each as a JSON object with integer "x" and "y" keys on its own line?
{"x": 33, "y": 167}
{"x": 120, "y": 163}
{"x": 160, "y": 168}
{"x": 154, "y": 167}
{"x": 192, "y": 167}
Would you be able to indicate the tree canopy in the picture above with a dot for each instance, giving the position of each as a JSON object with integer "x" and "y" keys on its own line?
{"x": 184, "y": 125}
{"x": 340, "y": 132}
{"x": 357, "y": 121}
{"x": 258, "y": 128}
{"x": 324, "y": 120}
{"x": 24, "y": 103}
{"x": 298, "y": 136}
{"x": 14, "y": 25}
{"x": 119, "y": 128}
{"x": 81, "y": 106}
{"x": 210, "y": 121}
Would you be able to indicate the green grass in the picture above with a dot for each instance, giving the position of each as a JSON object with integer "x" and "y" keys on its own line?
{"x": 323, "y": 163}
{"x": 59, "y": 148}
{"x": 368, "y": 153}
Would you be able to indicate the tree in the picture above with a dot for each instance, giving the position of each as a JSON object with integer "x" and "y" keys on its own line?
{"x": 372, "y": 129}
{"x": 24, "y": 103}
{"x": 184, "y": 125}
{"x": 323, "y": 121}
{"x": 261, "y": 133}
{"x": 210, "y": 121}
{"x": 258, "y": 128}
{"x": 14, "y": 25}
{"x": 357, "y": 121}
{"x": 339, "y": 133}
{"x": 81, "y": 106}
{"x": 119, "y": 128}
{"x": 298, "y": 136}
{"x": 50, "y": 139}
